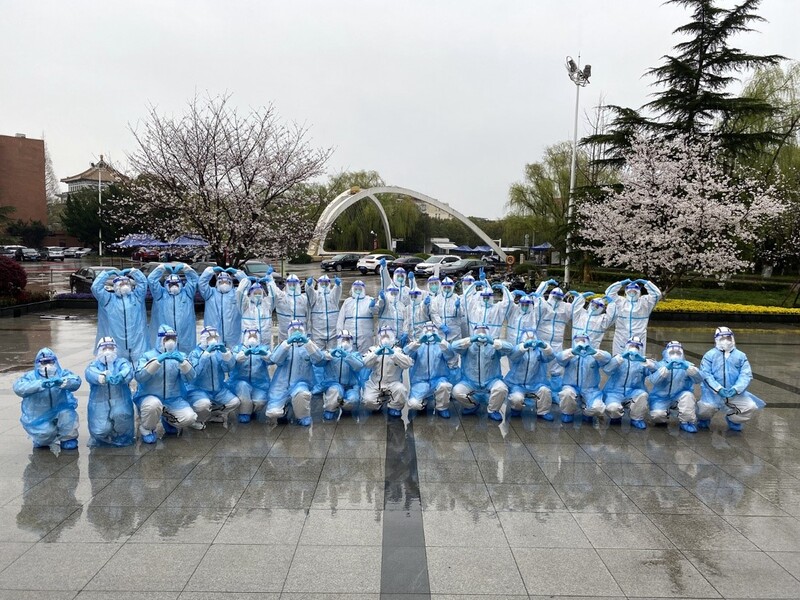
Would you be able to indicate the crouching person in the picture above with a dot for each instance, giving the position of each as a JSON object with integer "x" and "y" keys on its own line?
{"x": 339, "y": 380}
{"x": 625, "y": 387}
{"x": 249, "y": 378}
{"x": 581, "y": 382}
{"x": 386, "y": 364}
{"x": 430, "y": 374}
{"x": 673, "y": 387}
{"x": 527, "y": 376}
{"x": 294, "y": 377}
{"x": 48, "y": 404}
{"x": 162, "y": 375}
{"x": 209, "y": 396}
{"x": 111, "y": 413}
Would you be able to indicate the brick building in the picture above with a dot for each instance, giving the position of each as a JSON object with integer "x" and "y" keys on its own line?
{"x": 22, "y": 182}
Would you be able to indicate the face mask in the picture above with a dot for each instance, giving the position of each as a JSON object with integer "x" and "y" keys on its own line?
{"x": 107, "y": 355}
{"x": 358, "y": 292}
{"x": 632, "y": 295}
{"x": 400, "y": 279}
{"x": 48, "y": 370}
{"x": 174, "y": 290}
{"x": 725, "y": 345}
{"x": 252, "y": 341}
{"x": 345, "y": 345}
{"x": 434, "y": 289}
{"x": 170, "y": 345}
{"x": 292, "y": 289}
{"x": 386, "y": 340}
{"x": 224, "y": 288}
{"x": 212, "y": 340}
{"x": 323, "y": 287}
{"x": 124, "y": 290}
{"x": 447, "y": 290}
{"x": 524, "y": 307}
{"x": 257, "y": 298}
{"x": 675, "y": 356}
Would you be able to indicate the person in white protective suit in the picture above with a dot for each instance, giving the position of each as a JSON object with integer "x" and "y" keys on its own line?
{"x": 434, "y": 287}
{"x": 527, "y": 376}
{"x": 290, "y": 304}
{"x": 162, "y": 374}
{"x": 726, "y": 375}
{"x": 386, "y": 362}
{"x": 255, "y": 307}
{"x": 173, "y": 303}
{"x": 221, "y": 310}
{"x": 632, "y": 311}
{"x": 399, "y": 279}
{"x": 430, "y": 374}
{"x": 483, "y": 310}
{"x": 581, "y": 381}
{"x": 356, "y": 317}
{"x": 417, "y": 314}
{"x": 592, "y": 320}
{"x": 339, "y": 379}
{"x": 209, "y": 395}
{"x": 391, "y": 312}
{"x": 480, "y": 372}
{"x": 625, "y": 386}
{"x": 673, "y": 387}
{"x": 323, "y": 305}
{"x": 468, "y": 292}
{"x": 110, "y": 409}
{"x": 48, "y": 404}
{"x": 294, "y": 376}
{"x": 554, "y": 314}
{"x": 446, "y": 311}
{"x": 249, "y": 378}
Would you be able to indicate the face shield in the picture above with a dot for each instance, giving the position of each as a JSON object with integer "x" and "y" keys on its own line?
{"x": 345, "y": 341}
{"x": 224, "y": 283}
{"x": 173, "y": 284}
{"x": 416, "y": 296}
{"x": 525, "y": 304}
{"x": 466, "y": 281}
{"x": 557, "y": 296}
{"x": 596, "y": 307}
{"x": 46, "y": 366}
{"x": 295, "y": 328}
{"x": 358, "y": 290}
{"x": 122, "y": 286}
{"x": 324, "y": 284}
{"x": 392, "y": 293}
{"x": 107, "y": 350}
{"x": 434, "y": 285}
{"x": 292, "y": 285}
{"x": 580, "y": 341}
{"x": 481, "y": 332}
{"x": 634, "y": 345}
{"x": 724, "y": 340}
{"x": 448, "y": 286}
{"x": 487, "y": 297}
{"x": 256, "y": 294}
{"x": 674, "y": 351}
{"x": 386, "y": 336}
{"x": 632, "y": 292}
{"x": 209, "y": 337}
{"x": 251, "y": 337}
{"x": 400, "y": 276}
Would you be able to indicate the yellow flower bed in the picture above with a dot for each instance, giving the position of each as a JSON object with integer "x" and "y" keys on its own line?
{"x": 722, "y": 307}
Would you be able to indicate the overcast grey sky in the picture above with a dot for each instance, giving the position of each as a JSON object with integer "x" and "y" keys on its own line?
{"x": 449, "y": 98}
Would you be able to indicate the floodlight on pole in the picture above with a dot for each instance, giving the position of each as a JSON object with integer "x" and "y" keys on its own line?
{"x": 580, "y": 78}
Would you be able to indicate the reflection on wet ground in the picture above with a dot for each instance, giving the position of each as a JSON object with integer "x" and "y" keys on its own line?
{"x": 365, "y": 509}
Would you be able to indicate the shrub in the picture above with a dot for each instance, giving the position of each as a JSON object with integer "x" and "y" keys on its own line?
{"x": 422, "y": 255}
{"x": 300, "y": 259}
{"x": 13, "y": 278}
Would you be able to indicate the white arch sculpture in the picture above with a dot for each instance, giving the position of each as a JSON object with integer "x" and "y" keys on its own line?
{"x": 346, "y": 199}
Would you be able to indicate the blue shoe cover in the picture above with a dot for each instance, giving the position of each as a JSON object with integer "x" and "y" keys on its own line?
{"x": 515, "y": 413}
{"x": 495, "y": 415}
{"x": 470, "y": 411}
{"x": 615, "y": 422}
{"x": 703, "y": 423}
{"x": 149, "y": 438}
{"x": 244, "y": 418}
{"x": 731, "y": 425}
{"x": 304, "y": 421}
{"x": 638, "y": 424}
{"x": 545, "y": 417}
{"x": 394, "y": 412}
{"x": 567, "y": 418}
{"x": 688, "y": 427}
{"x": 69, "y": 444}
{"x": 329, "y": 415}
{"x": 444, "y": 413}
{"x": 588, "y": 419}
{"x": 167, "y": 427}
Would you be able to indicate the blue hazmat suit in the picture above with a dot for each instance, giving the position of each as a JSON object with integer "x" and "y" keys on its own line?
{"x": 727, "y": 370}
{"x": 581, "y": 379}
{"x": 110, "y": 408}
{"x": 528, "y": 375}
{"x": 290, "y": 305}
{"x": 256, "y": 310}
{"x": 448, "y": 315}
{"x": 480, "y": 371}
{"x": 221, "y": 310}
{"x": 338, "y": 378}
{"x": 48, "y": 404}
{"x": 673, "y": 386}
{"x": 122, "y": 316}
{"x": 249, "y": 378}
{"x": 208, "y": 392}
{"x": 627, "y": 373}
{"x": 430, "y": 374}
{"x": 293, "y": 378}
{"x": 356, "y": 317}
{"x": 175, "y": 310}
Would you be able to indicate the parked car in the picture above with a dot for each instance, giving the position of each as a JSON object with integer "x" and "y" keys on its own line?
{"x": 81, "y": 280}
{"x": 70, "y": 252}
{"x": 13, "y": 252}
{"x": 371, "y": 263}
{"x": 341, "y": 262}
{"x": 409, "y": 263}
{"x": 81, "y": 252}
{"x": 31, "y": 255}
{"x": 464, "y": 266}
{"x": 426, "y": 268}
{"x": 52, "y": 253}
{"x": 145, "y": 254}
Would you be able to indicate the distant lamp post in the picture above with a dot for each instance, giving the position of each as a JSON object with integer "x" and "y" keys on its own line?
{"x": 580, "y": 78}
{"x": 100, "y": 207}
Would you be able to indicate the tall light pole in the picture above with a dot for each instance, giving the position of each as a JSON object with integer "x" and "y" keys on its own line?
{"x": 100, "y": 206}
{"x": 580, "y": 78}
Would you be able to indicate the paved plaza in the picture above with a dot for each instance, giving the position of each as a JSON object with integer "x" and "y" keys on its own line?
{"x": 427, "y": 508}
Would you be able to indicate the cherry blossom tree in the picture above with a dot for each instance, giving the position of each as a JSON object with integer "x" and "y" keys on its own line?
{"x": 678, "y": 212}
{"x": 226, "y": 177}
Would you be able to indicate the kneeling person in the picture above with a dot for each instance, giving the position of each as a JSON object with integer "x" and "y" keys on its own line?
{"x": 249, "y": 378}
{"x": 294, "y": 377}
{"x": 111, "y": 413}
{"x": 527, "y": 376}
{"x": 673, "y": 387}
{"x": 339, "y": 380}
{"x": 625, "y": 387}
{"x": 430, "y": 374}
{"x": 581, "y": 387}
{"x": 386, "y": 364}
{"x": 210, "y": 397}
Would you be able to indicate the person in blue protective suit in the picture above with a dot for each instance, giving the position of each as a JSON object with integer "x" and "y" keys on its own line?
{"x": 256, "y": 307}
{"x": 356, "y": 317}
{"x": 527, "y": 376}
{"x": 110, "y": 408}
{"x": 446, "y": 311}
{"x": 430, "y": 374}
{"x": 400, "y": 279}
{"x": 173, "y": 303}
{"x": 625, "y": 386}
{"x": 48, "y": 404}
{"x": 294, "y": 376}
{"x": 480, "y": 372}
{"x": 673, "y": 387}
{"x": 162, "y": 374}
{"x": 632, "y": 311}
{"x": 417, "y": 313}
{"x": 386, "y": 362}
{"x": 581, "y": 380}
{"x": 290, "y": 304}
{"x": 521, "y": 317}
{"x": 121, "y": 313}
{"x": 249, "y": 378}
{"x": 593, "y": 320}
{"x": 209, "y": 395}
{"x": 391, "y": 312}
{"x": 323, "y": 304}
{"x": 221, "y": 310}
{"x": 339, "y": 378}
{"x": 483, "y": 310}
{"x": 726, "y": 375}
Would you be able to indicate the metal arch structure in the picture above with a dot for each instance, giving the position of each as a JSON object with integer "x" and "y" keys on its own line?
{"x": 346, "y": 199}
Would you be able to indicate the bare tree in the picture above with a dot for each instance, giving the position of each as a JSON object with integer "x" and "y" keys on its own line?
{"x": 226, "y": 177}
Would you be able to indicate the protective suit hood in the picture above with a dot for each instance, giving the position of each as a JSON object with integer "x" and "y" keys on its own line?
{"x": 206, "y": 333}
{"x": 165, "y": 331}
{"x": 675, "y": 348}
{"x": 358, "y": 289}
{"x": 46, "y": 354}
{"x": 724, "y": 339}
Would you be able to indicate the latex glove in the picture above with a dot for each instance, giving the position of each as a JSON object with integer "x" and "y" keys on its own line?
{"x": 269, "y": 270}
{"x": 153, "y": 366}
{"x": 403, "y": 339}
{"x": 427, "y": 301}
{"x": 115, "y": 379}
{"x": 553, "y": 282}
{"x": 411, "y": 275}
{"x": 252, "y": 279}
{"x": 382, "y": 295}
{"x": 590, "y": 351}
{"x": 101, "y": 379}
{"x": 445, "y": 329}
{"x": 180, "y": 267}
{"x": 541, "y": 344}
{"x": 458, "y": 303}
{"x": 372, "y": 303}
{"x": 338, "y": 353}
{"x": 231, "y": 270}
{"x": 337, "y": 281}
{"x": 185, "y": 366}
{"x": 481, "y": 274}
{"x": 383, "y": 262}
{"x": 218, "y": 347}
{"x": 497, "y": 344}
{"x": 729, "y": 392}
{"x": 162, "y": 357}
{"x": 310, "y": 282}
{"x": 217, "y": 269}
{"x": 529, "y": 344}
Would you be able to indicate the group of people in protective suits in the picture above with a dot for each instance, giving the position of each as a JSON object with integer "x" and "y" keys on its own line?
{"x": 356, "y": 353}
